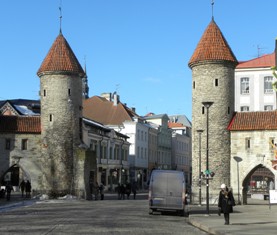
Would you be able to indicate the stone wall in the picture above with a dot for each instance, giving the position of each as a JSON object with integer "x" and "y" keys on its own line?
{"x": 28, "y": 160}
{"x": 259, "y": 153}
{"x": 212, "y": 82}
{"x": 61, "y": 110}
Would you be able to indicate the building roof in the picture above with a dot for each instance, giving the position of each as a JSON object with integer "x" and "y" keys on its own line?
{"x": 177, "y": 118}
{"x": 246, "y": 121}
{"x": 60, "y": 59}
{"x": 267, "y": 60}
{"x": 106, "y": 112}
{"x": 20, "y": 124}
{"x": 150, "y": 116}
{"x": 20, "y": 107}
{"x": 212, "y": 47}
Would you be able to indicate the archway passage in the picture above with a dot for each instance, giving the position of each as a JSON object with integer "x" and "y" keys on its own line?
{"x": 257, "y": 183}
{"x": 11, "y": 175}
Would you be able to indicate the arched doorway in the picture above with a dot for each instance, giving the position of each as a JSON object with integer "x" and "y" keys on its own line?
{"x": 11, "y": 175}
{"x": 257, "y": 183}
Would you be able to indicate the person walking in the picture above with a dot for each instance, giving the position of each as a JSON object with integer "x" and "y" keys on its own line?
{"x": 22, "y": 187}
{"x": 101, "y": 190}
{"x": 119, "y": 191}
{"x": 128, "y": 190}
{"x": 122, "y": 191}
{"x": 28, "y": 188}
{"x": 9, "y": 188}
{"x": 226, "y": 202}
{"x": 96, "y": 190}
{"x": 134, "y": 189}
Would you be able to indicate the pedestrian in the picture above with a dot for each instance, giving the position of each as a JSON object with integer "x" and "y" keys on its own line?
{"x": 28, "y": 189}
{"x": 2, "y": 193}
{"x": 22, "y": 187}
{"x": 134, "y": 189}
{"x": 9, "y": 188}
{"x": 122, "y": 191}
{"x": 96, "y": 191}
{"x": 226, "y": 202}
{"x": 128, "y": 190}
{"x": 119, "y": 191}
{"x": 101, "y": 190}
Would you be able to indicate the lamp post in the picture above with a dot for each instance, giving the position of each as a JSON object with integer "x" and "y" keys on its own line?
{"x": 199, "y": 180}
{"x": 238, "y": 159}
{"x": 207, "y": 105}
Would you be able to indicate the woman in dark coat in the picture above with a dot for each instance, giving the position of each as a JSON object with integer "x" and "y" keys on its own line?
{"x": 226, "y": 202}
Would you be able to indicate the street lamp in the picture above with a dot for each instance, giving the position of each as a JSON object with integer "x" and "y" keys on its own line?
{"x": 199, "y": 180}
{"x": 207, "y": 105}
{"x": 238, "y": 159}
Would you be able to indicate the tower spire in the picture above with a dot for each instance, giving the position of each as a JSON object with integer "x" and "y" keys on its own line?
{"x": 60, "y": 9}
{"x": 212, "y": 3}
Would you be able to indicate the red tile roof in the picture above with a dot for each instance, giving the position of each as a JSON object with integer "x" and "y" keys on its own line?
{"x": 174, "y": 124}
{"x": 20, "y": 124}
{"x": 212, "y": 47}
{"x": 104, "y": 111}
{"x": 60, "y": 58}
{"x": 245, "y": 121}
{"x": 262, "y": 61}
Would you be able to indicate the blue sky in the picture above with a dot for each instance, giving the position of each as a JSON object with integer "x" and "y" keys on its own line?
{"x": 139, "y": 48}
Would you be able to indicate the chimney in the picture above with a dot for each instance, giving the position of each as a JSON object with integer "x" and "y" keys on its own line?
{"x": 133, "y": 109}
{"x": 107, "y": 96}
{"x": 115, "y": 99}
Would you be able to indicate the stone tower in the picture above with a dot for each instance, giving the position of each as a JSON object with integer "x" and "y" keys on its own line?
{"x": 212, "y": 64}
{"x": 61, "y": 116}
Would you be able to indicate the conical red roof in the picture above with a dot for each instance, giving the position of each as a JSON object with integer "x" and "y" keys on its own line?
{"x": 61, "y": 59}
{"x": 212, "y": 47}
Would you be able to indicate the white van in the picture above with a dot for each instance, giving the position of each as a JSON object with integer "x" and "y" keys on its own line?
{"x": 167, "y": 191}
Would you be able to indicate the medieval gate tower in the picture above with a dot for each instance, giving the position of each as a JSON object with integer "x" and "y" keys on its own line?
{"x": 212, "y": 64}
{"x": 61, "y": 114}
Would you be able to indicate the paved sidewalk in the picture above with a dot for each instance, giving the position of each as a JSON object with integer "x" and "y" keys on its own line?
{"x": 255, "y": 218}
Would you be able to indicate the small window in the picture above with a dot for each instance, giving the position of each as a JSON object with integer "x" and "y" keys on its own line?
{"x": 8, "y": 144}
{"x": 244, "y": 108}
{"x": 24, "y": 144}
{"x": 51, "y": 118}
{"x": 244, "y": 85}
{"x": 216, "y": 82}
{"x": 268, "y": 84}
{"x": 247, "y": 143}
{"x": 193, "y": 85}
{"x": 69, "y": 92}
{"x": 203, "y": 110}
{"x": 44, "y": 92}
{"x": 268, "y": 107}
{"x": 228, "y": 110}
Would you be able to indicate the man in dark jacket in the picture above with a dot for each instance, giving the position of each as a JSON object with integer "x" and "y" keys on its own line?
{"x": 226, "y": 202}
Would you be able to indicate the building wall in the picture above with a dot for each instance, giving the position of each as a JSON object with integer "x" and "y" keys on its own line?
{"x": 220, "y": 113}
{"x": 61, "y": 110}
{"x": 181, "y": 154}
{"x": 259, "y": 153}
{"x": 28, "y": 160}
{"x": 256, "y": 99}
